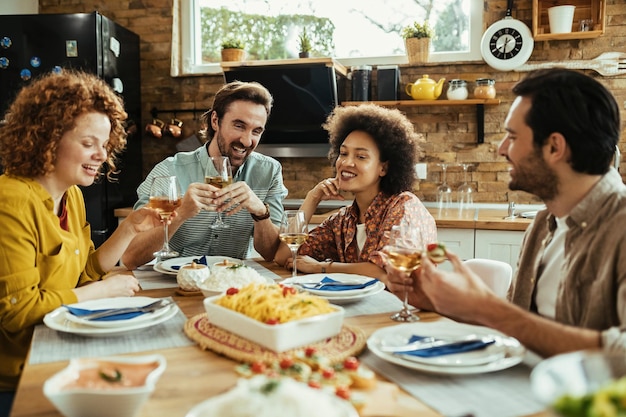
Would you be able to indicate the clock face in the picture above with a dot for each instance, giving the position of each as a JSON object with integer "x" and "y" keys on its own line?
{"x": 506, "y": 43}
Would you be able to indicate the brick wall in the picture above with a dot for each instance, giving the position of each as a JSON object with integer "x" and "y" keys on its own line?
{"x": 449, "y": 132}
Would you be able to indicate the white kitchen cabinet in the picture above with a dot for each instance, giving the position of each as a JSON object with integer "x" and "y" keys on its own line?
{"x": 501, "y": 245}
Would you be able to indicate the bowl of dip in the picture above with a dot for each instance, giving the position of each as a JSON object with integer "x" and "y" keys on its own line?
{"x": 104, "y": 387}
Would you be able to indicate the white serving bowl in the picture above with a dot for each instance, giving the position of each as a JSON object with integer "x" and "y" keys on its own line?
{"x": 575, "y": 374}
{"x": 277, "y": 337}
{"x": 98, "y": 402}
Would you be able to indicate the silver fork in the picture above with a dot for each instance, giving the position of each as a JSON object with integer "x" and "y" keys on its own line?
{"x": 115, "y": 311}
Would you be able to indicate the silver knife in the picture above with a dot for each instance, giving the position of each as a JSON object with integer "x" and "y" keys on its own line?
{"x": 421, "y": 344}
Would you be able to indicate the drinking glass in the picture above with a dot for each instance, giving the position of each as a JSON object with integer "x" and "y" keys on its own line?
{"x": 404, "y": 252}
{"x": 219, "y": 174}
{"x": 165, "y": 197}
{"x": 465, "y": 195}
{"x": 294, "y": 231}
{"x": 444, "y": 193}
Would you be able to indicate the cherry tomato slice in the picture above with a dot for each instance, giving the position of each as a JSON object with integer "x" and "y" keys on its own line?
{"x": 343, "y": 392}
{"x": 351, "y": 363}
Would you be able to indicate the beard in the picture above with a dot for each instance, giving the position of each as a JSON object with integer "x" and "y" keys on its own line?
{"x": 236, "y": 159}
{"x": 534, "y": 176}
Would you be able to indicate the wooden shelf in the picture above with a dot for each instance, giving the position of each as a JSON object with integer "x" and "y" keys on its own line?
{"x": 585, "y": 9}
{"x": 479, "y": 103}
{"x": 413, "y": 103}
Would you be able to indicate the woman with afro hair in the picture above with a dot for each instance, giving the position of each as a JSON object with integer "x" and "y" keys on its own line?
{"x": 374, "y": 151}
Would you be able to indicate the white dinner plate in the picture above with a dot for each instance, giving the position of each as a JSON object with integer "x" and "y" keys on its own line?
{"x": 58, "y": 320}
{"x": 159, "y": 268}
{"x": 116, "y": 302}
{"x": 167, "y": 265}
{"x": 504, "y": 353}
{"x": 351, "y": 278}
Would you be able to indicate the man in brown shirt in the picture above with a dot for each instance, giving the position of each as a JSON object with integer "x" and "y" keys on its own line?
{"x": 569, "y": 292}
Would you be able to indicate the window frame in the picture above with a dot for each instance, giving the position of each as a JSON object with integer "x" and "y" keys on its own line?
{"x": 189, "y": 52}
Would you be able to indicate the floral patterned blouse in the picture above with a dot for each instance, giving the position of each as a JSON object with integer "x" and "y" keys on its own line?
{"x": 335, "y": 238}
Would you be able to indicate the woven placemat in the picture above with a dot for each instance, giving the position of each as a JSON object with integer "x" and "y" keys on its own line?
{"x": 349, "y": 342}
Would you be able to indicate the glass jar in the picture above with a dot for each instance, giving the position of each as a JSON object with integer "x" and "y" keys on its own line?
{"x": 457, "y": 90}
{"x": 485, "y": 88}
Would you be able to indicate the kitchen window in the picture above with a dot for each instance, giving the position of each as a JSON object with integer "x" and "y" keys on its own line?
{"x": 364, "y": 31}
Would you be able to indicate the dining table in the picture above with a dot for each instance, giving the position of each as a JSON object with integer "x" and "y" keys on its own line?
{"x": 195, "y": 374}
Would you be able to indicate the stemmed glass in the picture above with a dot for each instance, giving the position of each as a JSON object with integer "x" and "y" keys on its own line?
{"x": 404, "y": 252}
{"x": 444, "y": 193}
{"x": 165, "y": 197}
{"x": 219, "y": 174}
{"x": 465, "y": 194}
{"x": 294, "y": 231}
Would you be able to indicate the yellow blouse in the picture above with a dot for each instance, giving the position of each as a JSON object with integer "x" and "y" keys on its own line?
{"x": 40, "y": 263}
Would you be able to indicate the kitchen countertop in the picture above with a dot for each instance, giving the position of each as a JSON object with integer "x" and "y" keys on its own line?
{"x": 484, "y": 218}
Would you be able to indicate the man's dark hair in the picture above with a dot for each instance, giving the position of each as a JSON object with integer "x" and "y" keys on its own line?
{"x": 580, "y": 108}
{"x": 236, "y": 91}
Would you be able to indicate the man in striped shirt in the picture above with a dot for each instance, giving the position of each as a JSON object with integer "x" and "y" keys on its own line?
{"x": 252, "y": 204}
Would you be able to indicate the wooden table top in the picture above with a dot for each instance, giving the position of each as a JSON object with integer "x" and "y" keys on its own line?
{"x": 193, "y": 375}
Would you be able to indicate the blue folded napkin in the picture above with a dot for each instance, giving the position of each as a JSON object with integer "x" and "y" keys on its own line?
{"x": 78, "y": 312}
{"x": 457, "y": 347}
{"x": 201, "y": 261}
{"x": 343, "y": 287}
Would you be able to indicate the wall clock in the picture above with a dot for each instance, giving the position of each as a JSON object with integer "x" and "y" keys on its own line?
{"x": 507, "y": 43}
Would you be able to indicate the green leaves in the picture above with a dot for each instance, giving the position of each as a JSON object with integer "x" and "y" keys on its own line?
{"x": 418, "y": 30}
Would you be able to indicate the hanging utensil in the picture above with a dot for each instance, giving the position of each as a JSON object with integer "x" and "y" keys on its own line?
{"x": 607, "y": 64}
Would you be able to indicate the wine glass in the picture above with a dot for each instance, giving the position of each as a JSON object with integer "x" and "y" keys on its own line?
{"x": 465, "y": 195}
{"x": 165, "y": 197}
{"x": 404, "y": 252}
{"x": 219, "y": 174}
{"x": 444, "y": 193}
{"x": 294, "y": 231}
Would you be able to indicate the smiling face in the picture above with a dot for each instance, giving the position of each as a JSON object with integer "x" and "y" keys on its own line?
{"x": 239, "y": 131}
{"x": 81, "y": 152}
{"x": 358, "y": 166}
{"x": 529, "y": 171}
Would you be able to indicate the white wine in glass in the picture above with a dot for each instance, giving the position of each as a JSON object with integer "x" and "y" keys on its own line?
{"x": 294, "y": 231}
{"x": 404, "y": 252}
{"x": 165, "y": 197}
{"x": 218, "y": 174}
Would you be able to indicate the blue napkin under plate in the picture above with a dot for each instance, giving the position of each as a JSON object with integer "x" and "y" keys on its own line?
{"x": 201, "y": 261}
{"x": 78, "y": 312}
{"x": 346, "y": 287}
{"x": 449, "y": 349}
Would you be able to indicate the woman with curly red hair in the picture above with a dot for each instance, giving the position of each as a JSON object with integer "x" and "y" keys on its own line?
{"x": 62, "y": 130}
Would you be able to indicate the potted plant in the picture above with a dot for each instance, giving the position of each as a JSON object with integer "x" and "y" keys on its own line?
{"x": 417, "y": 41}
{"x": 233, "y": 49}
{"x": 304, "y": 42}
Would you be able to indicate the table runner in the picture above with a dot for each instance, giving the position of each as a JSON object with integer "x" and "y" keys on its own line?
{"x": 51, "y": 346}
{"x": 505, "y": 393}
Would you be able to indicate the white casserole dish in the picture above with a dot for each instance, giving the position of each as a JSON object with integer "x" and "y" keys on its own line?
{"x": 276, "y": 337}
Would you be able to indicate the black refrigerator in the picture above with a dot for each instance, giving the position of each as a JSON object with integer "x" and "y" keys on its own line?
{"x": 31, "y": 45}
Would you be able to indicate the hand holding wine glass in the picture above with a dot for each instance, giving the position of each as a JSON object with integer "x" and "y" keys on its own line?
{"x": 165, "y": 197}
{"x": 218, "y": 174}
{"x": 404, "y": 252}
{"x": 294, "y": 232}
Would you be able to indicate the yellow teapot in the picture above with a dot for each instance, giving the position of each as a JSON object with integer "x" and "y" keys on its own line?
{"x": 425, "y": 88}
